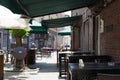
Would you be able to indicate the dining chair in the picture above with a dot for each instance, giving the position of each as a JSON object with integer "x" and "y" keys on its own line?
{"x": 103, "y": 59}
{"x": 75, "y": 59}
{"x": 107, "y": 76}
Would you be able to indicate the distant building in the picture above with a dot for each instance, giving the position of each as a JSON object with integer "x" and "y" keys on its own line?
{"x": 4, "y": 39}
{"x": 54, "y": 40}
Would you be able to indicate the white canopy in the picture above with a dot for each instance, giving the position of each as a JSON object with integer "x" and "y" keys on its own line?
{"x": 9, "y": 20}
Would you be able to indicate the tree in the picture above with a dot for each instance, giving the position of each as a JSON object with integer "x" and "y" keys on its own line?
{"x": 19, "y": 34}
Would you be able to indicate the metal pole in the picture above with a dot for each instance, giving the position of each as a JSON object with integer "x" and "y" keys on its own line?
{"x": 7, "y": 51}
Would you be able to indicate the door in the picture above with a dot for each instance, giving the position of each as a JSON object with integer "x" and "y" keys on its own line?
{"x": 86, "y": 36}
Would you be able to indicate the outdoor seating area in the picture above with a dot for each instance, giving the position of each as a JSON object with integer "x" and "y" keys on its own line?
{"x": 90, "y": 70}
{"x": 69, "y": 65}
{"x": 59, "y": 39}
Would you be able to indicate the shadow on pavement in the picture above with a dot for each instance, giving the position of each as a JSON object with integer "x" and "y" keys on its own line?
{"x": 45, "y": 67}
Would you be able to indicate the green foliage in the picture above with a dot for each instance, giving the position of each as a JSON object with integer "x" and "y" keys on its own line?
{"x": 19, "y": 32}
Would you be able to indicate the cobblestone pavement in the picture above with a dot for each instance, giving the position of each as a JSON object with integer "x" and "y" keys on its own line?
{"x": 44, "y": 69}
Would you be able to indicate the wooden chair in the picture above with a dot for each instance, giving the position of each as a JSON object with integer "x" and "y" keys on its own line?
{"x": 102, "y": 76}
{"x": 43, "y": 51}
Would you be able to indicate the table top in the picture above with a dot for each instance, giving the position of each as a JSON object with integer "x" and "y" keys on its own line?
{"x": 95, "y": 66}
{"x": 90, "y": 70}
{"x": 91, "y": 55}
{"x": 74, "y": 52}
{"x": 65, "y": 52}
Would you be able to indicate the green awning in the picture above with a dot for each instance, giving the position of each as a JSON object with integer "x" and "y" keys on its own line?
{"x": 35, "y": 8}
{"x": 65, "y": 32}
{"x": 61, "y": 22}
{"x": 37, "y": 28}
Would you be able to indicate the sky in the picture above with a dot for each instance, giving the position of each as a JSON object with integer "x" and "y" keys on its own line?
{"x": 68, "y": 13}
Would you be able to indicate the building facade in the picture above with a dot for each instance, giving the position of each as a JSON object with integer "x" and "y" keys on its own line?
{"x": 82, "y": 37}
{"x": 99, "y": 29}
{"x": 108, "y": 18}
{"x": 54, "y": 40}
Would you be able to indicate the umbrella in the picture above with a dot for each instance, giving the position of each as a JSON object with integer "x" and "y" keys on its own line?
{"x": 9, "y": 20}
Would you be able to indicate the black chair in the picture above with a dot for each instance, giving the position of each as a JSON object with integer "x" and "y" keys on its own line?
{"x": 103, "y": 58}
{"x": 75, "y": 59}
{"x": 89, "y": 58}
{"x": 82, "y": 53}
{"x": 62, "y": 65}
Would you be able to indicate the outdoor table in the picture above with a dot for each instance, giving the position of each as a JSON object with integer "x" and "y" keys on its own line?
{"x": 90, "y": 70}
{"x": 46, "y": 50}
{"x": 64, "y": 57}
{"x": 71, "y": 53}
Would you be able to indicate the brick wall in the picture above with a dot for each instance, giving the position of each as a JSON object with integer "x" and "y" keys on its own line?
{"x": 110, "y": 38}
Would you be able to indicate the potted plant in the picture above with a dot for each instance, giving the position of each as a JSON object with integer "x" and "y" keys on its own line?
{"x": 19, "y": 34}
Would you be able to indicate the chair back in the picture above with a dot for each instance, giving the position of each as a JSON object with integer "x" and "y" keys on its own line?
{"x": 103, "y": 58}
{"x": 75, "y": 59}
{"x": 89, "y": 58}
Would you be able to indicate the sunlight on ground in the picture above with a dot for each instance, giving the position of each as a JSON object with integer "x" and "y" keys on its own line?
{"x": 45, "y": 69}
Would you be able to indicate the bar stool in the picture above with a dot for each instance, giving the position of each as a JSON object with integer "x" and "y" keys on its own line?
{"x": 62, "y": 64}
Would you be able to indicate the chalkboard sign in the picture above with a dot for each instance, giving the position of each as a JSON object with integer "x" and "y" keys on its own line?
{"x": 19, "y": 53}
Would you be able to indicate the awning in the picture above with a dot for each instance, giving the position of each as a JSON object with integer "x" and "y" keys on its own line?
{"x": 9, "y": 20}
{"x": 65, "y": 32}
{"x": 37, "y": 28}
{"x": 35, "y": 8}
{"x": 61, "y": 22}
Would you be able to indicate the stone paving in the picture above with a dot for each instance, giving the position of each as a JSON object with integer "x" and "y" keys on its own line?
{"x": 44, "y": 69}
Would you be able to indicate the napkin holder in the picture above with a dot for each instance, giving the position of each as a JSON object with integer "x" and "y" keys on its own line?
{"x": 81, "y": 63}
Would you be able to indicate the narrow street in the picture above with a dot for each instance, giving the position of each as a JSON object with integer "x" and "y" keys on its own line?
{"x": 44, "y": 69}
